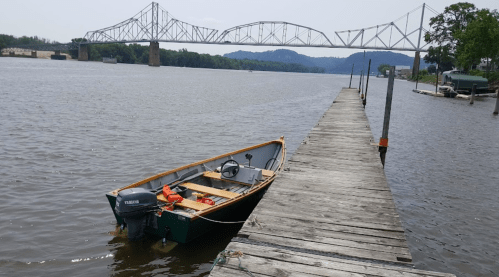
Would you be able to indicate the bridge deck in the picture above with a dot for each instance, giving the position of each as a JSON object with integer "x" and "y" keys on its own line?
{"x": 332, "y": 213}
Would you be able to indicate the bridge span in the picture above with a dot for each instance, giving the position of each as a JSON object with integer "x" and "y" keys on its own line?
{"x": 154, "y": 24}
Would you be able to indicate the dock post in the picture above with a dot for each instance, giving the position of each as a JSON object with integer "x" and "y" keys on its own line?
{"x": 472, "y": 98}
{"x": 496, "y": 110}
{"x": 360, "y": 79}
{"x": 367, "y": 84}
{"x": 351, "y": 75}
{"x": 383, "y": 141}
{"x": 436, "y": 83}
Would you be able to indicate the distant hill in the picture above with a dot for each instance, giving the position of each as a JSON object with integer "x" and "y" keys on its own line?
{"x": 330, "y": 64}
{"x": 377, "y": 58}
{"x": 287, "y": 56}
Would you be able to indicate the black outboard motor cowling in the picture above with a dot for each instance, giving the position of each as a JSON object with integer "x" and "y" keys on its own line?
{"x": 135, "y": 206}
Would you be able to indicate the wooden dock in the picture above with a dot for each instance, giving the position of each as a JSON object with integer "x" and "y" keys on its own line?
{"x": 330, "y": 213}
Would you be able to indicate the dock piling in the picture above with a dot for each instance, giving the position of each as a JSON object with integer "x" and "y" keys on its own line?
{"x": 367, "y": 84}
{"x": 496, "y": 110}
{"x": 383, "y": 141}
{"x": 351, "y": 75}
{"x": 360, "y": 80}
{"x": 472, "y": 98}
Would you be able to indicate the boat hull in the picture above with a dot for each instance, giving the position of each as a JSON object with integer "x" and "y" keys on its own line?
{"x": 182, "y": 229}
{"x": 183, "y": 226}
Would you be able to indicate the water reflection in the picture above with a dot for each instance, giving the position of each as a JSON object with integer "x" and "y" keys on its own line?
{"x": 150, "y": 256}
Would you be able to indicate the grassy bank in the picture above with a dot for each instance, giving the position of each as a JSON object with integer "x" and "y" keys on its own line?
{"x": 427, "y": 79}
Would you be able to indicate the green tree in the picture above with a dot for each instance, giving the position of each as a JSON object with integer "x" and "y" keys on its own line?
{"x": 382, "y": 68}
{"x": 76, "y": 41}
{"x": 432, "y": 69}
{"x": 448, "y": 25}
{"x": 440, "y": 55}
{"x": 446, "y": 28}
{"x": 480, "y": 39}
{"x": 3, "y": 44}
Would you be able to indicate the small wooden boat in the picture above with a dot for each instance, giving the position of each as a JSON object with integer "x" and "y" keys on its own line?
{"x": 184, "y": 203}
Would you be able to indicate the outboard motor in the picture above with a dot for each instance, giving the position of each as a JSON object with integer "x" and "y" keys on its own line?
{"x": 135, "y": 206}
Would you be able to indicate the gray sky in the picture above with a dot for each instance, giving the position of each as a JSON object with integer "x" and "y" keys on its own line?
{"x": 63, "y": 20}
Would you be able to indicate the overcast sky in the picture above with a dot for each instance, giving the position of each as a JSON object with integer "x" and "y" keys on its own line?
{"x": 63, "y": 20}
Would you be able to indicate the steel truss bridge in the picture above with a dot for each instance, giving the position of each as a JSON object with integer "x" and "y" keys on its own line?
{"x": 155, "y": 24}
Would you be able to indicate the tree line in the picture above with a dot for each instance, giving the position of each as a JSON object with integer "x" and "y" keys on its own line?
{"x": 139, "y": 54}
{"x": 7, "y": 40}
{"x": 464, "y": 36}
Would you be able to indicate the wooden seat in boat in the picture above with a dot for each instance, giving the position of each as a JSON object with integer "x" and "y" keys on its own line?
{"x": 210, "y": 190}
{"x": 186, "y": 203}
{"x": 267, "y": 173}
{"x": 218, "y": 176}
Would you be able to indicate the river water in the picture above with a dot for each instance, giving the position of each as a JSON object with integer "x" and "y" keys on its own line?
{"x": 72, "y": 131}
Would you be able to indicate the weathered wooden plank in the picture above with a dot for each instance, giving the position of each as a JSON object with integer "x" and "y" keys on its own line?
{"x": 329, "y": 218}
{"x": 317, "y": 210}
{"x": 336, "y": 204}
{"x": 330, "y": 248}
{"x": 316, "y": 189}
{"x": 340, "y": 179}
{"x": 313, "y": 235}
{"x": 353, "y": 266}
{"x": 356, "y": 233}
{"x": 231, "y": 271}
{"x": 339, "y": 203}
{"x": 278, "y": 267}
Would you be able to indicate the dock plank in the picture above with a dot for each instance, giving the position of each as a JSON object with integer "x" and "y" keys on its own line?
{"x": 340, "y": 267}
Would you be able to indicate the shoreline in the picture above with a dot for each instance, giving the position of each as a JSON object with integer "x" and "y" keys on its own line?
{"x": 27, "y": 54}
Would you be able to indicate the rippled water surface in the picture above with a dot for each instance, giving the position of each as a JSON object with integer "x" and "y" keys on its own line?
{"x": 72, "y": 131}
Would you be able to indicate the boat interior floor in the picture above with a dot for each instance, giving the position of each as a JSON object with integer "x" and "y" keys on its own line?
{"x": 209, "y": 185}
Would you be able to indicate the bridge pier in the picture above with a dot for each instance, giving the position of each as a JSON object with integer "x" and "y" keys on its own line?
{"x": 83, "y": 52}
{"x": 154, "y": 53}
{"x": 415, "y": 66}
{"x": 33, "y": 54}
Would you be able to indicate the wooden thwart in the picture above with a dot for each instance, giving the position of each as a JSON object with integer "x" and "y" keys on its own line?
{"x": 212, "y": 191}
{"x": 218, "y": 176}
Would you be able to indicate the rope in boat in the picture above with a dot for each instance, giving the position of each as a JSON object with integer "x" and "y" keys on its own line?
{"x": 225, "y": 255}
{"x": 225, "y": 222}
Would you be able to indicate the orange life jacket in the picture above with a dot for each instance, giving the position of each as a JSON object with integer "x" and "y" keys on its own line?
{"x": 171, "y": 196}
{"x": 206, "y": 201}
